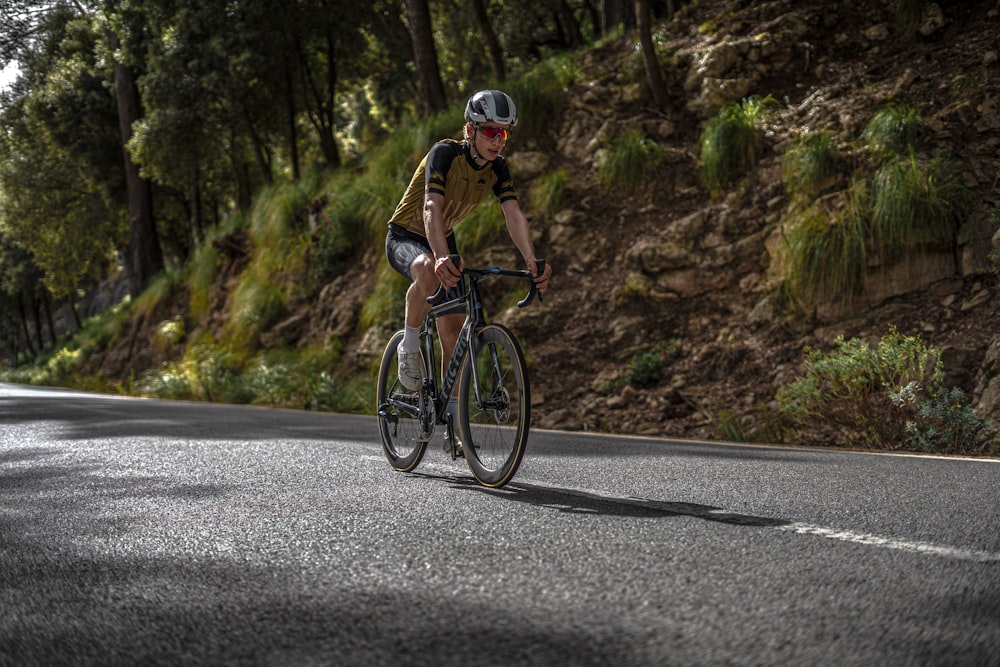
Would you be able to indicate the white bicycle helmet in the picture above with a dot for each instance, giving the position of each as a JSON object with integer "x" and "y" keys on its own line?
{"x": 491, "y": 106}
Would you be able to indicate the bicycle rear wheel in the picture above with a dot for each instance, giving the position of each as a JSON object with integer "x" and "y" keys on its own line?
{"x": 402, "y": 414}
{"x": 494, "y": 421}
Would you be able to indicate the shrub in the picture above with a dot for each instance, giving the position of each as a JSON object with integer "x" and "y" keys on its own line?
{"x": 912, "y": 205}
{"x": 731, "y": 142}
{"x": 888, "y": 398}
{"x": 256, "y": 304}
{"x": 386, "y": 304}
{"x": 549, "y": 193}
{"x": 539, "y": 95}
{"x": 942, "y": 423}
{"x": 632, "y": 160}
{"x": 828, "y": 255}
{"x": 484, "y": 227}
{"x": 903, "y": 206}
{"x": 646, "y": 368}
{"x": 894, "y": 130}
{"x": 811, "y": 164}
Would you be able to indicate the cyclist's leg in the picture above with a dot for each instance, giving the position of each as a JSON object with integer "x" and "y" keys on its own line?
{"x": 410, "y": 254}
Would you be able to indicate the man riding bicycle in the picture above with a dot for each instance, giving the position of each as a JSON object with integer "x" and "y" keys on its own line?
{"x": 452, "y": 180}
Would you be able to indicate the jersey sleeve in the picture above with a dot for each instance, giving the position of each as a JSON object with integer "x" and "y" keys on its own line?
{"x": 504, "y": 187}
{"x": 439, "y": 160}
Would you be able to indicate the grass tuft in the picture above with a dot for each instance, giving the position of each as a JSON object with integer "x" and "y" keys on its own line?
{"x": 732, "y": 141}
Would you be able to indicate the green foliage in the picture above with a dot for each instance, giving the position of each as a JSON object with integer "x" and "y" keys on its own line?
{"x": 827, "y": 255}
{"x": 943, "y": 422}
{"x": 203, "y": 268}
{"x": 888, "y": 398}
{"x": 387, "y": 301}
{"x": 895, "y": 129}
{"x": 540, "y": 94}
{"x": 297, "y": 379}
{"x": 811, "y": 164}
{"x": 732, "y": 141}
{"x": 646, "y": 368}
{"x": 548, "y": 194}
{"x": 255, "y": 306}
{"x": 482, "y": 229}
{"x": 632, "y": 161}
{"x": 912, "y": 205}
{"x": 160, "y": 290}
{"x": 906, "y": 203}
{"x": 205, "y": 373}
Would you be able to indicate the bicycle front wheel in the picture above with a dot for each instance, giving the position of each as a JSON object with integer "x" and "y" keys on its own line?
{"x": 402, "y": 413}
{"x": 494, "y": 406}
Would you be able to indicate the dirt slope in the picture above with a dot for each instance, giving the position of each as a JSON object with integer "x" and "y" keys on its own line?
{"x": 615, "y": 294}
{"x": 725, "y": 362}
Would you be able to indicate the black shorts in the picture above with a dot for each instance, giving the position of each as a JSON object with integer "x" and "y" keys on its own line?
{"x": 403, "y": 246}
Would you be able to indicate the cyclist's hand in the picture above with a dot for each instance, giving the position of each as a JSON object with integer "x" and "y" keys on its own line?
{"x": 542, "y": 279}
{"x": 446, "y": 271}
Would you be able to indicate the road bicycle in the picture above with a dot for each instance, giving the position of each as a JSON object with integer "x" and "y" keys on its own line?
{"x": 488, "y": 365}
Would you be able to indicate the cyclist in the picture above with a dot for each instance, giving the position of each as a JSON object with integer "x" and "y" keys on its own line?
{"x": 452, "y": 180}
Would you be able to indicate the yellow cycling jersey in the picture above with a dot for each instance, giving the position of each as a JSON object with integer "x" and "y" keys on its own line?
{"x": 449, "y": 170}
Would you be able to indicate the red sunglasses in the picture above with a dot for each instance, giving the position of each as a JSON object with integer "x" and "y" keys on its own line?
{"x": 492, "y": 133}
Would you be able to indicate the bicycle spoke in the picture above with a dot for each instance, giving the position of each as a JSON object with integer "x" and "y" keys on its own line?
{"x": 494, "y": 425}
{"x": 399, "y": 414}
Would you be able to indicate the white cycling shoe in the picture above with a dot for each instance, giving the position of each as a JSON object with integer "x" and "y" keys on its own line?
{"x": 409, "y": 368}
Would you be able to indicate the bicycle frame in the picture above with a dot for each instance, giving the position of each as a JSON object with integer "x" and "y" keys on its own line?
{"x": 474, "y": 319}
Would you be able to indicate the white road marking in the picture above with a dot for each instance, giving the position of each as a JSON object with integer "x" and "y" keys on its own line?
{"x": 869, "y": 539}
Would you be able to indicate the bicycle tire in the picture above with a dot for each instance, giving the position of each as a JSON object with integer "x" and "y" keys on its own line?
{"x": 495, "y": 433}
{"x": 400, "y": 428}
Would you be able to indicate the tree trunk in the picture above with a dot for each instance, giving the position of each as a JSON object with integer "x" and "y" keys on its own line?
{"x": 145, "y": 257}
{"x": 322, "y": 110}
{"x": 425, "y": 56}
{"x": 260, "y": 148}
{"x": 616, "y": 13}
{"x": 568, "y": 23}
{"x": 24, "y": 324}
{"x": 50, "y": 323}
{"x": 653, "y": 74}
{"x": 293, "y": 132}
{"x": 493, "y": 47}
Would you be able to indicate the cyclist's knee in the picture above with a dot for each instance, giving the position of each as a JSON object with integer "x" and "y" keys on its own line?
{"x": 422, "y": 271}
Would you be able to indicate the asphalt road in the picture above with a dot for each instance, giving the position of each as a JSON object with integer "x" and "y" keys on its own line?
{"x": 137, "y": 532}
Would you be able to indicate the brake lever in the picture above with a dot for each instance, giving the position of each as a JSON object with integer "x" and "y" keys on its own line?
{"x": 533, "y": 290}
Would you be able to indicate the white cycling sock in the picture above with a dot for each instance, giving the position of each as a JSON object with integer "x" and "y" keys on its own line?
{"x": 411, "y": 338}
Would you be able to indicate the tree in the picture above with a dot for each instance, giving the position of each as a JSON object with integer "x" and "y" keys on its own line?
{"x": 653, "y": 74}
{"x": 144, "y": 255}
{"x": 489, "y": 35}
{"x": 618, "y": 13}
{"x": 36, "y": 25}
{"x": 60, "y": 160}
{"x": 425, "y": 56}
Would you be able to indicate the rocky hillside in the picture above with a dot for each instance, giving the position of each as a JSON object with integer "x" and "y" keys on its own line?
{"x": 696, "y": 277}
{"x": 699, "y": 273}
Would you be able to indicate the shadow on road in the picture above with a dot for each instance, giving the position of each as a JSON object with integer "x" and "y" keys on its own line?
{"x": 77, "y": 590}
{"x": 574, "y": 501}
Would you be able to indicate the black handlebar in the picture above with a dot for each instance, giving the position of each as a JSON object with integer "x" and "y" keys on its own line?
{"x": 439, "y": 296}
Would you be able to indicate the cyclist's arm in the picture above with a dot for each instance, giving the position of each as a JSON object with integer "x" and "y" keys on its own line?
{"x": 444, "y": 269}
{"x": 520, "y": 234}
